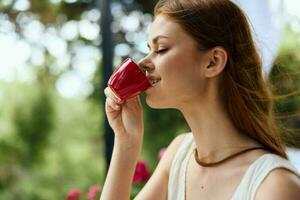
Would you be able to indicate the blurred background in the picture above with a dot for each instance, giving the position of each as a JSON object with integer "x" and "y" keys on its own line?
{"x": 55, "y": 59}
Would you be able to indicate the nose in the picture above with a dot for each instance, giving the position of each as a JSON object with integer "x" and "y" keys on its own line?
{"x": 146, "y": 65}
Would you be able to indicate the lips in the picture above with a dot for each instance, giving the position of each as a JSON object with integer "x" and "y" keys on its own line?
{"x": 153, "y": 79}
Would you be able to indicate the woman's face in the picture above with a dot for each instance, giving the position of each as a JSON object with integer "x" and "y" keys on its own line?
{"x": 176, "y": 63}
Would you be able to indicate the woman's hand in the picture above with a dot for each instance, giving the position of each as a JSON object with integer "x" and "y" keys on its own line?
{"x": 125, "y": 118}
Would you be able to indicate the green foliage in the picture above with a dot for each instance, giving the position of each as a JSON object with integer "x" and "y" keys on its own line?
{"x": 285, "y": 81}
{"x": 136, "y": 188}
{"x": 98, "y": 94}
{"x": 68, "y": 144}
{"x": 49, "y": 12}
{"x": 49, "y": 144}
{"x": 33, "y": 124}
{"x": 32, "y": 120}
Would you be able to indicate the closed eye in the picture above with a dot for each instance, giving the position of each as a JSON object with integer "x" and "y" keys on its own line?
{"x": 161, "y": 51}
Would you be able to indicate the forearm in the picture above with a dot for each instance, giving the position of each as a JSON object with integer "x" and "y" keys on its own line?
{"x": 119, "y": 178}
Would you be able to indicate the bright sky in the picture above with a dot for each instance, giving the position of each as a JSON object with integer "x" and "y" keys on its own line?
{"x": 15, "y": 53}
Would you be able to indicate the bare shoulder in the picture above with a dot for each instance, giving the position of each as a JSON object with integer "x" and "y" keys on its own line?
{"x": 279, "y": 184}
{"x": 157, "y": 186}
{"x": 167, "y": 159}
{"x": 172, "y": 149}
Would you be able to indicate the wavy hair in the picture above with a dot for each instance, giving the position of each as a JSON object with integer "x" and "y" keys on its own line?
{"x": 243, "y": 89}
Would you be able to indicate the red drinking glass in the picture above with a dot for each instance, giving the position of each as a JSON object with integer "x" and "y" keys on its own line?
{"x": 128, "y": 80}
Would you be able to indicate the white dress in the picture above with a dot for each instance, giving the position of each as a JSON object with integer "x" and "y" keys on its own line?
{"x": 247, "y": 188}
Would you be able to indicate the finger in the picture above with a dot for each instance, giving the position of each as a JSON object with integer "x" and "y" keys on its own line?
{"x": 108, "y": 107}
{"x": 135, "y": 100}
{"x": 109, "y": 93}
{"x": 111, "y": 103}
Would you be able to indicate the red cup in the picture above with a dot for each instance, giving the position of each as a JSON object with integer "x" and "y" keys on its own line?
{"x": 128, "y": 80}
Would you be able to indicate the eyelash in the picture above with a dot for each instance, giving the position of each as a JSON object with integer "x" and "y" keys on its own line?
{"x": 161, "y": 51}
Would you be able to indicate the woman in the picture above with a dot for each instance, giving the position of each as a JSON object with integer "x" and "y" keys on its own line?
{"x": 202, "y": 61}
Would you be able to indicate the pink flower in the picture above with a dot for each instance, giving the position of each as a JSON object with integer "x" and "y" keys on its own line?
{"x": 74, "y": 194}
{"x": 93, "y": 193}
{"x": 161, "y": 153}
{"x": 141, "y": 174}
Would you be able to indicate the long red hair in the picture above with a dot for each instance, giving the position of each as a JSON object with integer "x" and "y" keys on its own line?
{"x": 244, "y": 91}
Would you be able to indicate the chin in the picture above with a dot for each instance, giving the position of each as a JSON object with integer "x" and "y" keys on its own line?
{"x": 152, "y": 104}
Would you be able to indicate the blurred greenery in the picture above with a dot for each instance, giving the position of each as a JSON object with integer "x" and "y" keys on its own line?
{"x": 285, "y": 79}
{"x": 50, "y": 144}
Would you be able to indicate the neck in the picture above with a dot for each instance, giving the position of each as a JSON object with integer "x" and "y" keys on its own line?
{"x": 214, "y": 133}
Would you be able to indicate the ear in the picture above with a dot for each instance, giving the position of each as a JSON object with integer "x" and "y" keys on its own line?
{"x": 217, "y": 62}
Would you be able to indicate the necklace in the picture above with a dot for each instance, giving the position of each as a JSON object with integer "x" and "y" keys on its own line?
{"x": 204, "y": 164}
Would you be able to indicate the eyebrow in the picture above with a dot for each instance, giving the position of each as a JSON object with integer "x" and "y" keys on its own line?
{"x": 155, "y": 39}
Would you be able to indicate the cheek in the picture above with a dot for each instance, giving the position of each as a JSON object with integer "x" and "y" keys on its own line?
{"x": 183, "y": 83}
{"x": 178, "y": 73}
